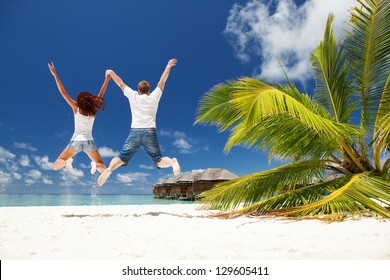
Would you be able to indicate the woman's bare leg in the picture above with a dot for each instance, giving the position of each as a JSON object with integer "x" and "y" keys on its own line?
{"x": 65, "y": 159}
{"x": 96, "y": 158}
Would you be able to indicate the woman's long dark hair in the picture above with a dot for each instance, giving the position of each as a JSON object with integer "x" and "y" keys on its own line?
{"x": 89, "y": 103}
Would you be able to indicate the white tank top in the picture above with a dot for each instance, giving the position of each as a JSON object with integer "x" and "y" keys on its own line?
{"x": 82, "y": 127}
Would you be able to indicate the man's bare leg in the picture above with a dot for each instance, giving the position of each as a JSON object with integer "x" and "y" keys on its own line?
{"x": 114, "y": 164}
{"x": 168, "y": 162}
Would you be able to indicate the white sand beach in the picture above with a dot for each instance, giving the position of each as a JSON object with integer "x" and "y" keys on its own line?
{"x": 181, "y": 232}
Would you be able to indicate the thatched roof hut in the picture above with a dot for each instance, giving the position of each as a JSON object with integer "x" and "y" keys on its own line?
{"x": 188, "y": 185}
{"x": 159, "y": 183}
{"x": 208, "y": 178}
{"x": 188, "y": 178}
{"x": 159, "y": 190}
{"x": 216, "y": 174}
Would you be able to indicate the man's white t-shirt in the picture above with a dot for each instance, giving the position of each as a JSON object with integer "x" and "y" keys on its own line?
{"x": 143, "y": 107}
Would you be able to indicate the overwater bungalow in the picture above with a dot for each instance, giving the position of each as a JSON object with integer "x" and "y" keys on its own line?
{"x": 159, "y": 190}
{"x": 188, "y": 186}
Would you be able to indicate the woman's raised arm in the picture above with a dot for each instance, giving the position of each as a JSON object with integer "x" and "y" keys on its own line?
{"x": 104, "y": 86}
{"x": 62, "y": 89}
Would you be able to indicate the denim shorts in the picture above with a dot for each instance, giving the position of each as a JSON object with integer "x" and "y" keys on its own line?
{"x": 141, "y": 137}
{"x": 82, "y": 146}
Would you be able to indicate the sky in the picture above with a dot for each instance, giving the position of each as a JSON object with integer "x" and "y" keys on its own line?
{"x": 213, "y": 41}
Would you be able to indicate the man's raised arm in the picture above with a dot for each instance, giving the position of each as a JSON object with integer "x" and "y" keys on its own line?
{"x": 116, "y": 79}
{"x": 165, "y": 74}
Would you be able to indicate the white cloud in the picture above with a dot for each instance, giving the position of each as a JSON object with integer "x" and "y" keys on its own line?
{"x": 24, "y": 160}
{"x": 47, "y": 181}
{"x": 5, "y": 155}
{"x": 280, "y": 30}
{"x": 72, "y": 178}
{"x": 25, "y": 146}
{"x": 5, "y": 178}
{"x": 84, "y": 166}
{"x": 182, "y": 142}
{"x": 34, "y": 174}
{"x": 183, "y": 146}
{"x": 7, "y": 159}
{"x": 197, "y": 170}
{"x": 16, "y": 175}
{"x": 29, "y": 181}
{"x": 129, "y": 178}
{"x": 107, "y": 152}
{"x": 43, "y": 162}
{"x": 76, "y": 173}
{"x": 149, "y": 167}
{"x": 174, "y": 134}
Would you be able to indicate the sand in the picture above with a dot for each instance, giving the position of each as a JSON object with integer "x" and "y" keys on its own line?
{"x": 181, "y": 232}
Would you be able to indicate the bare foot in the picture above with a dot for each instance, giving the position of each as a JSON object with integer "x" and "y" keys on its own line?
{"x": 104, "y": 176}
{"x": 69, "y": 164}
{"x": 175, "y": 167}
{"x": 93, "y": 167}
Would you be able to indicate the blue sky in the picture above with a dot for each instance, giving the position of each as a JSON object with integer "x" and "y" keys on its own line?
{"x": 213, "y": 41}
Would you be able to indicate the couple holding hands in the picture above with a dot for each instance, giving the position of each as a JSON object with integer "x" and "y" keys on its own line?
{"x": 143, "y": 106}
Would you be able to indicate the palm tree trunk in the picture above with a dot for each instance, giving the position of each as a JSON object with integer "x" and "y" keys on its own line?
{"x": 351, "y": 154}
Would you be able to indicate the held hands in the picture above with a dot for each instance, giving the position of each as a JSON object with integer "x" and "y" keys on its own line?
{"x": 109, "y": 73}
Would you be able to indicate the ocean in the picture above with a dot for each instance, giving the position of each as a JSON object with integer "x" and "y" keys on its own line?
{"x": 8, "y": 200}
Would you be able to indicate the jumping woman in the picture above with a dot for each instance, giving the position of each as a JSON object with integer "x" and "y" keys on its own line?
{"x": 84, "y": 110}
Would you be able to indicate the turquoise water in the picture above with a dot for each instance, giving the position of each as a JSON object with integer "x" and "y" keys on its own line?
{"x": 80, "y": 199}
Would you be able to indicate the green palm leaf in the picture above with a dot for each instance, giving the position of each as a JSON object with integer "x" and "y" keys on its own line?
{"x": 255, "y": 100}
{"x": 253, "y": 188}
{"x": 283, "y": 135}
{"x": 216, "y": 107}
{"x": 382, "y": 126}
{"x": 293, "y": 198}
{"x": 368, "y": 48}
{"x": 363, "y": 193}
{"x": 333, "y": 89}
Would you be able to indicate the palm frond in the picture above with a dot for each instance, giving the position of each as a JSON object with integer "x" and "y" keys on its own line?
{"x": 305, "y": 99}
{"x": 253, "y": 188}
{"x": 383, "y": 138}
{"x": 382, "y": 126}
{"x": 293, "y": 198}
{"x": 256, "y": 100}
{"x": 386, "y": 169}
{"x": 282, "y": 135}
{"x": 216, "y": 107}
{"x": 333, "y": 88}
{"x": 368, "y": 52}
{"x": 362, "y": 194}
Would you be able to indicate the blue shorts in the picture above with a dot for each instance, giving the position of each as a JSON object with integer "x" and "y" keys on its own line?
{"x": 82, "y": 146}
{"x": 141, "y": 137}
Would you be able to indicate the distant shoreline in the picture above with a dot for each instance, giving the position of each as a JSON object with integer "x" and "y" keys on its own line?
{"x": 23, "y": 200}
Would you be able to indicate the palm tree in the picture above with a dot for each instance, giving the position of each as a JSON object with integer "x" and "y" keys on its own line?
{"x": 336, "y": 140}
